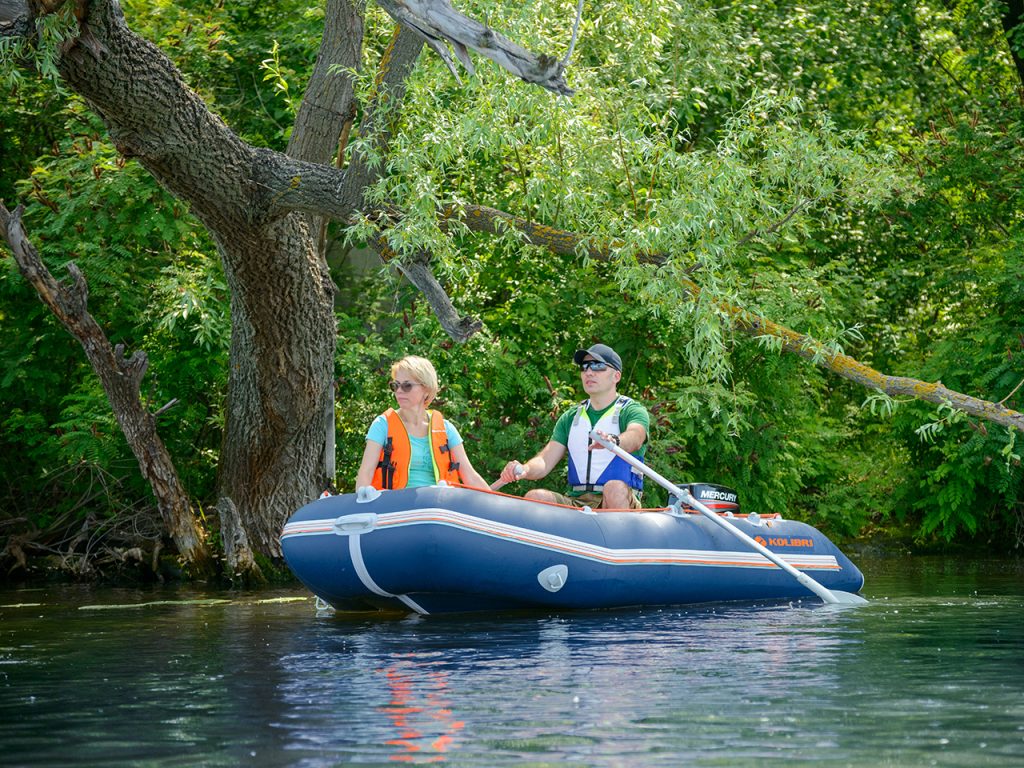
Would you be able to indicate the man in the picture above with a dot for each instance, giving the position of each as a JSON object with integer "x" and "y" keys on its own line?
{"x": 597, "y": 477}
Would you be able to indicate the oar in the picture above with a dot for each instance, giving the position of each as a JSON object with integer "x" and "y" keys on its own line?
{"x": 829, "y": 596}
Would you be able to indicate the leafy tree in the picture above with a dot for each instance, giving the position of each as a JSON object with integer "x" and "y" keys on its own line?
{"x": 772, "y": 154}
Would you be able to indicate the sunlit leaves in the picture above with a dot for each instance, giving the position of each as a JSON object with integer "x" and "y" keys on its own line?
{"x": 847, "y": 168}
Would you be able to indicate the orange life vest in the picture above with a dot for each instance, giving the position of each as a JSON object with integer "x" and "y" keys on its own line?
{"x": 393, "y": 465}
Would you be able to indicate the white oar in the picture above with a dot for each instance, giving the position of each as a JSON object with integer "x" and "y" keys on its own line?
{"x": 683, "y": 494}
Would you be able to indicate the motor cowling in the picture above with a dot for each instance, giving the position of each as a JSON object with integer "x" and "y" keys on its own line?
{"x": 717, "y": 498}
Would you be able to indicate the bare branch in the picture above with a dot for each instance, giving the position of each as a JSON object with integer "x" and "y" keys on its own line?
{"x": 480, "y": 218}
{"x": 849, "y": 368}
{"x": 438, "y": 22}
{"x": 575, "y": 33}
{"x": 418, "y": 271}
{"x": 121, "y": 380}
{"x": 774, "y": 227}
{"x": 329, "y": 102}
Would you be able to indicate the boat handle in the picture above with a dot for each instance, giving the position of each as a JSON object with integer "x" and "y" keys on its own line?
{"x": 361, "y": 522}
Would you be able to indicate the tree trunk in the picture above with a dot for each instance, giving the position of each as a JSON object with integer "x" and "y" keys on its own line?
{"x": 283, "y": 330}
{"x": 280, "y": 385}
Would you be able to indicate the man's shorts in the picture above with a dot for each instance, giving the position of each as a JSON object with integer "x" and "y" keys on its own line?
{"x": 593, "y": 499}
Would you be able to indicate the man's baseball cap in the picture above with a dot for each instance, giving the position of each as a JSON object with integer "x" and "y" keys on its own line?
{"x": 601, "y": 352}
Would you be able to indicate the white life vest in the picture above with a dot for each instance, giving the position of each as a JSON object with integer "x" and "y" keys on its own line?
{"x": 590, "y": 470}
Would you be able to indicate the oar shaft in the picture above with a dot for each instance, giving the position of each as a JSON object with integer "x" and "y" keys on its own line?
{"x": 684, "y": 495}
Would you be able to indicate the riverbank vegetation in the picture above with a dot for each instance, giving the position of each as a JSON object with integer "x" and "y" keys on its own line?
{"x": 800, "y": 226}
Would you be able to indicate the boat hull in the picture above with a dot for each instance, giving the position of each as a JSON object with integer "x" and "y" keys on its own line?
{"x": 451, "y": 549}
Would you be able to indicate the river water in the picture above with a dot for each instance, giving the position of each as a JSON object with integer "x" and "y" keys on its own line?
{"x": 930, "y": 672}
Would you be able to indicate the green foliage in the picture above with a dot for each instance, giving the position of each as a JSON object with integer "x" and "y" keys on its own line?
{"x": 38, "y": 53}
{"x": 154, "y": 284}
{"x": 844, "y": 167}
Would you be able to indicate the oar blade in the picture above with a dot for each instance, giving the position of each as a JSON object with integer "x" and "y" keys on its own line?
{"x": 848, "y": 598}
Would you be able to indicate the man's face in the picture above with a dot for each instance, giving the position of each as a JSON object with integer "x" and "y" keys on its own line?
{"x": 597, "y": 377}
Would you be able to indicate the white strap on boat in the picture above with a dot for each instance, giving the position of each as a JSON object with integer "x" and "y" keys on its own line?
{"x": 355, "y": 551}
{"x": 322, "y": 606}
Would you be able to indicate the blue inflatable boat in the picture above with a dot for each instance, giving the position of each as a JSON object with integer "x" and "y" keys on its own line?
{"x": 443, "y": 549}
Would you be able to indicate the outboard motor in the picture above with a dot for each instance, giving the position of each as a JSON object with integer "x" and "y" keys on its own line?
{"x": 717, "y": 498}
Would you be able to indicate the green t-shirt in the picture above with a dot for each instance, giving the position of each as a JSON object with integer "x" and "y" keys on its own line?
{"x": 632, "y": 413}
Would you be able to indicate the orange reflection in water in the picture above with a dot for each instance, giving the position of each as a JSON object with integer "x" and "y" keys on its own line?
{"x": 419, "y": 710}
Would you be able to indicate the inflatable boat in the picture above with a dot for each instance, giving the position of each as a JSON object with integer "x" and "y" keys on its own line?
{"x": 443, "y": 549}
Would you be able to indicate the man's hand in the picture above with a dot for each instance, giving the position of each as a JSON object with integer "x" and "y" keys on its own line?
{"x": 513, "y": 471}
{"x": 596, "y": 446}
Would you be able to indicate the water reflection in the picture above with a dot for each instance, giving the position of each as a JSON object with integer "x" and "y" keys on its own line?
{"x": 420, "y": 711}
{"x": 588, "y": 687}
{"x": 914, "y": 678}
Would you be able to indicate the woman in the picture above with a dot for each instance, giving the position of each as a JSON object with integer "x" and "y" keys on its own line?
{"x": 411, "y": 446}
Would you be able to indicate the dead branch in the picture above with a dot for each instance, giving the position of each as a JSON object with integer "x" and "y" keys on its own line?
{"x": 418, "y": 272}
{"x": 121, "y": 378}
{"x": 438, "y": 23}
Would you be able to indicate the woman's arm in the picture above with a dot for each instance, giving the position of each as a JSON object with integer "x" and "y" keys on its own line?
{"x": 371, "y": 456}
{"x": 469, "y": 475}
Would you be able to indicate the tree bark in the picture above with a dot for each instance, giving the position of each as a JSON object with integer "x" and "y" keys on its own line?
{"x": 14, "y": 17}
{"x": 282, "y": 338}
{"x": 327, "y": 110}
{"x": 121, "y": 379}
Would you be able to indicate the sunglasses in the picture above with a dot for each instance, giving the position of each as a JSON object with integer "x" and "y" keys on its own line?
{"x": 405, "y": 386}
{"x": 593, "y": 365}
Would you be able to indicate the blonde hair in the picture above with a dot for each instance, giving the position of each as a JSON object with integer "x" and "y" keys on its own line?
{"x": 422, "y": 371}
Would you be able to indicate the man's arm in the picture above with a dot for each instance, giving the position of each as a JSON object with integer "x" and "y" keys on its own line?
{"x": 538, "y": 467}
{"x": 633, "y": 437}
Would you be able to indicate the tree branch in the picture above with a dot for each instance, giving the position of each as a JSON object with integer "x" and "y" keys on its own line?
{"x": 849, "y": 368}
{"x": 384, "y": 108}
{"x": 418, "y": 272}
{"x": 481, "y": 219}
{"x": 286, "y": 184}
{"x": 774, "y": 227}
{"x": 121, "y": 379}
{"x": 438, "y": 22}
{"x": 329, "y": 98}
